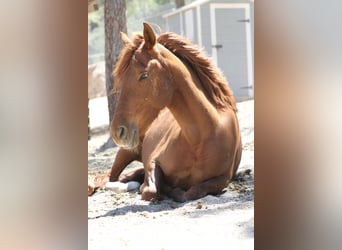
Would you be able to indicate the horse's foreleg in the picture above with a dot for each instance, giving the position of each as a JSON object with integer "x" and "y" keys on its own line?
{"x": 151, "y": 186}
{"x": 123, "y": 158}
{"x": 212, "y": 186}
{"x": 134, "y": 174}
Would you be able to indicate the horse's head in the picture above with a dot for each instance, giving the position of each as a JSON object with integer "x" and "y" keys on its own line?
{"x": 144, "y": 87}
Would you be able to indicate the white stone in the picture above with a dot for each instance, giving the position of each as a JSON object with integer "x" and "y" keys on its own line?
{"x": 120, "y": 187}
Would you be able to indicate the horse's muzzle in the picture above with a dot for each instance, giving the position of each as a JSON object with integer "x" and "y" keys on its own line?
{"x": 125, "y": 137}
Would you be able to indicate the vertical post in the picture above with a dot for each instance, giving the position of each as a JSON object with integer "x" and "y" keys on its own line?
{"x": 115, "y": 21}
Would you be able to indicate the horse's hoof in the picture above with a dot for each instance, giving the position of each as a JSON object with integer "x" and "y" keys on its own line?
{"x": 149, "y": 196}
{"x": 148, "y": 193}
{"x": 91, "y": 189}
{"x": 101, "y": 180}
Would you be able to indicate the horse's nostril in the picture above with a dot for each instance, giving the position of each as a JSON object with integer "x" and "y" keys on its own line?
{"x": 121, "y": 132}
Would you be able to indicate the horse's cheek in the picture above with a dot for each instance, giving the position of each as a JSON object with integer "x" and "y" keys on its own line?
{"x": 155, "y": 90}
{"x": 162, "y": 95}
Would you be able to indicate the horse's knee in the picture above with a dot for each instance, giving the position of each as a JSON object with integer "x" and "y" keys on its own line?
{"x": 113, "y": 178}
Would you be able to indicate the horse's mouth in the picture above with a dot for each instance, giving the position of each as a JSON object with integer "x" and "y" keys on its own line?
{"x": 134, "y": 139}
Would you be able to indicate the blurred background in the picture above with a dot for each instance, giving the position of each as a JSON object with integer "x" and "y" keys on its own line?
{"x": 136, "y": 12}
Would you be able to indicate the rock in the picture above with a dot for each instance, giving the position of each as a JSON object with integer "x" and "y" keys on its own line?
{"x": 120, "y": 187}
{"x": 132, "y": 185}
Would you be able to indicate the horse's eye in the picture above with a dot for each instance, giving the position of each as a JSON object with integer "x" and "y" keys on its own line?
{"x": 143, "y": 76}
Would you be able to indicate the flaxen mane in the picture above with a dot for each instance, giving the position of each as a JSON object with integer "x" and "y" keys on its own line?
{"x": 212, "y": 80}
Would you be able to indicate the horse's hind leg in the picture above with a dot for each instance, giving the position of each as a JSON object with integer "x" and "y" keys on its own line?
{"x": 152, "y": 183}
{"x": 212, "y": 186}
{"x": 123, "y": 158}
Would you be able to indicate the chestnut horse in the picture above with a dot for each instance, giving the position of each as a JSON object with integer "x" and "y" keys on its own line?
{"x": 176, "y": 114}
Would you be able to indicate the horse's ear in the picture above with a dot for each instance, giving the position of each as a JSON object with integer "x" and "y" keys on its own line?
{"x": 125, "y": 40}
{"x": 149, "y": 36}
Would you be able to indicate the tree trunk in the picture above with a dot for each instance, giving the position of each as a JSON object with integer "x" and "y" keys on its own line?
{"x": 115, "y": 21}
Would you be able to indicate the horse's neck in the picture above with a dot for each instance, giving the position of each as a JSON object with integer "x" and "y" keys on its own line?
{"x": 195, "y": 114}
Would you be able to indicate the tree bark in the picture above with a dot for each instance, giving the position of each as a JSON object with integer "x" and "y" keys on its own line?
{"x": 115, "y": 21}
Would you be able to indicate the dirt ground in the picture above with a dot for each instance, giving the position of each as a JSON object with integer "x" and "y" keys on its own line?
{"x": 124, "y": 221}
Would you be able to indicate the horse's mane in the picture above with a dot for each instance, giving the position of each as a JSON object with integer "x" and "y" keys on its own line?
{"x": 213, "y": 82}
{"x": 211, "y": 78}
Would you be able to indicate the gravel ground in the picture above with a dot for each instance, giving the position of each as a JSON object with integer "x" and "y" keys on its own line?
{"x": 124, "y": 221}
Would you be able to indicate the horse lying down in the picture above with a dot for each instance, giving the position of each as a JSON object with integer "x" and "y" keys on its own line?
{"x": 177, "y": 115}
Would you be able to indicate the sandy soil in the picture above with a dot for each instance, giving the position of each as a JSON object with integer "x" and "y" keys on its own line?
{"x": 124, "y": 221}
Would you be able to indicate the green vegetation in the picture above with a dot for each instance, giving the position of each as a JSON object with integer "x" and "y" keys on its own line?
{"x": 137, "y": 11}
{"x": 96, "y": 34}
